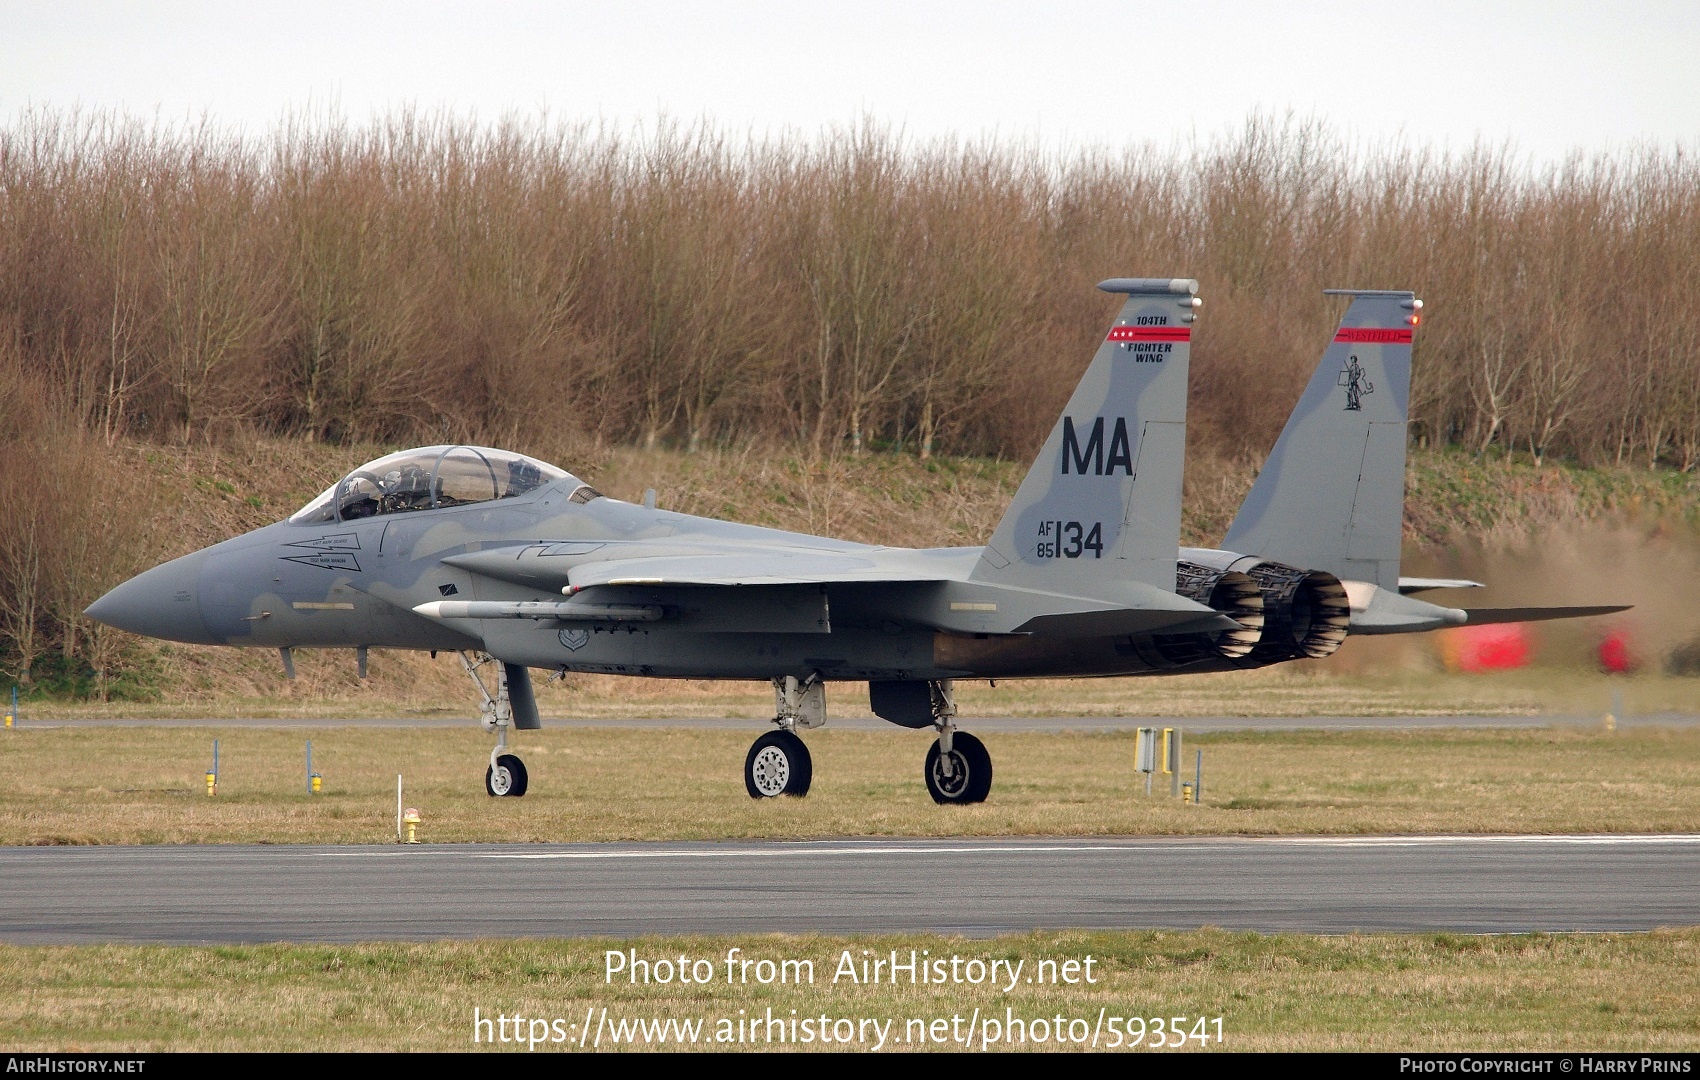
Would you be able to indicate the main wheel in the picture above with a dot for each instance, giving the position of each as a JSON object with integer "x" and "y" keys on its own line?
{"x": 778, "y": 764}
{"x": 970, "y": 779}
{"x": 506, "y": 777}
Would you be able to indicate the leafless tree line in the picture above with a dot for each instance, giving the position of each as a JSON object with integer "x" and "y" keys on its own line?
{"x": 420, "y": 278}
{"x": 70, "y": 527}
{"x": 549, "y": 287}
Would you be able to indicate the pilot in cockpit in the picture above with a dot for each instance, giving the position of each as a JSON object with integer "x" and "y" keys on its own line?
{"x": 523, "y": 476}
{"x": 406, "y": 488}
{"x": 360, "y": 497}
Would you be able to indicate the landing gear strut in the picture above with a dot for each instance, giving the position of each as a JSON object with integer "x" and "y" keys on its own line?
{"x": 958, "y": 768}
{"x": 506, "y": 774}
{"x": 779, "y": 762}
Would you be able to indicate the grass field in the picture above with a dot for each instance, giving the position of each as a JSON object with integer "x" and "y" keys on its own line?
{"x": 1629, "y": 992}
{"x": 1626, "y": 992}
{"x": 145, "y": 785}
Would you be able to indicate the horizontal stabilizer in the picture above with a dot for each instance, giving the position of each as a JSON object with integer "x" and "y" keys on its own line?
{"x": 1409, "y": 585}
{"x": 1483, "y": 616}
{"x": 1381, "y": 611}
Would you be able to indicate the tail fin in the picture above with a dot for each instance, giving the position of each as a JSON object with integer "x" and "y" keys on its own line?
{"x": 1332, "y": 494}
{"x": 1103, "y": 501}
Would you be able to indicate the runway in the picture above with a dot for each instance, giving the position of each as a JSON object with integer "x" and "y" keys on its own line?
{"x": 1195, "y": 724}
{"x": 225, "y": 894}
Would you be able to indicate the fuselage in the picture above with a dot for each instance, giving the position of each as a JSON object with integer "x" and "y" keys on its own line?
{"x": 355, "y": 583}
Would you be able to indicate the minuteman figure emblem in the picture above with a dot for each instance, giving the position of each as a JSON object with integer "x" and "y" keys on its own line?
{"x": 1352, "y": 378}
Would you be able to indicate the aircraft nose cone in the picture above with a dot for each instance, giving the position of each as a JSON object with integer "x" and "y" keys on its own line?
{"x": 164, "y": 602}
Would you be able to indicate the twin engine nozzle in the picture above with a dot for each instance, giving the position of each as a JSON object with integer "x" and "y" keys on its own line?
{"x": 1285, "y": 613}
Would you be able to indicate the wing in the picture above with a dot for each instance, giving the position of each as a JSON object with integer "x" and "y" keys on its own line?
{"x": 929, "y": 587}
{"x": 570, "y": 568}
{"x": 756, "y": 568}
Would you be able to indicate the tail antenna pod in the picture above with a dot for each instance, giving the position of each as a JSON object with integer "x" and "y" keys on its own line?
{"x": 1407, "y": 299}
{"x": 1148, "y": 286}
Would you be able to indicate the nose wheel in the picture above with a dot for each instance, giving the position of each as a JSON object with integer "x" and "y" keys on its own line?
{"x": 778, "y": 764}
{"x": 506, "y": 776}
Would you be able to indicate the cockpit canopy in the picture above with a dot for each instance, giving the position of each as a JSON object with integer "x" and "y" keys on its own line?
{"x": 428, "y": 478}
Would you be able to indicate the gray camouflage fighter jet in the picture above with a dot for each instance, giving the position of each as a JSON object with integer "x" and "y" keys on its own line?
{"x": 516, "y": 564}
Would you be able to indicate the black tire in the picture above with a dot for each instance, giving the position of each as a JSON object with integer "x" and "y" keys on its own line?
{"x": 778, "y": 764}
{"x": 971, "y": 773}
{"x": 513, "y": 784}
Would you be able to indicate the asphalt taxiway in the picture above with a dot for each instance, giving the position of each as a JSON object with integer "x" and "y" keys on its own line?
{"x": 1197, "y": 724}
{"x": 1472, "y": 884}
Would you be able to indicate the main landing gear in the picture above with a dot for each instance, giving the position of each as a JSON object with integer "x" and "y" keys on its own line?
{"x": 958, "y": 768}
{"x": 506, "y": 774}
{"x": 779, "y": 762}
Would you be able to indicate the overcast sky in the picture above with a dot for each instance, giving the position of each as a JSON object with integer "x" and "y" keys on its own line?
{"x": 1548, "y": 77}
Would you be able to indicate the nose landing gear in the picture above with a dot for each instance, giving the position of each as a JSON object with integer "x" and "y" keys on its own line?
{"x": 779, "y": 762}
{"x": 506, "y": 775}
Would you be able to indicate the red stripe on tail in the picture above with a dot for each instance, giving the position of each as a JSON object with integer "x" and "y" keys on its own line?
{"x": 1150, "y": 333}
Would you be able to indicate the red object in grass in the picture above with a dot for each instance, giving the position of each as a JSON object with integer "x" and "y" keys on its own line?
{"x": 1616, "y": 657}
{"x": 1492, "y": 648}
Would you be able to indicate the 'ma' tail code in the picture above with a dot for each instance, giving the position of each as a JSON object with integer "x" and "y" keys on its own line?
{"x": 1103, "y": 501}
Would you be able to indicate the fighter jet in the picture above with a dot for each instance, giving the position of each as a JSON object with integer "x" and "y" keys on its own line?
{"x": 515, "y": 564}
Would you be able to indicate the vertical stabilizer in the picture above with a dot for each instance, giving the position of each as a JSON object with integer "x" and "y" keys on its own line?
{"x": 1102, "y": 504}
{"x": 1332, "y": 494}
